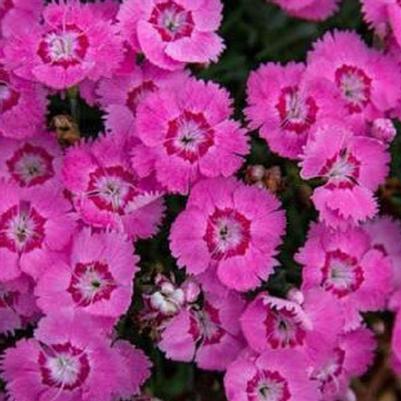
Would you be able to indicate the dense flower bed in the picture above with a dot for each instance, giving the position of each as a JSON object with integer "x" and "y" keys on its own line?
{"x": 196, "y": 232}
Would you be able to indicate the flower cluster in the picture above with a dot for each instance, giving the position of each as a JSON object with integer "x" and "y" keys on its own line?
{"x": 73, "y": 218}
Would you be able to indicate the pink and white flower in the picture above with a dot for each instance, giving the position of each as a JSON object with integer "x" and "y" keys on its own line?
{"x": 67, "y": 360}
{"x": 96, "y": 277}
{"x": 73, "y": 43}
{"x": 208, "y": 333}
{"x": 352, "y": 166}
{"x": 173, "y": 32}
{"x": 33, "y": 225}
{"x": 107, "y": 192}
{"x": 367, "y": 80}
{"x": 347, "y": 265}
{"x": 275, "y": 375}
{"x": 351, "y": 357}
{"x": 230, "y": 227}
{"x": 189, "y": 134}
{"x": 286, "y": 107}
{"x": 31, "y": 163}
{"x": 270, "y": 322}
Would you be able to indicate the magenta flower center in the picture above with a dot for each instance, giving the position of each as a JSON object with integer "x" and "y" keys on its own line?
{"x": 342, "y": 170}
{"x": 63, "y": 366}
{"x": 341, "y": 274}
{"x": 21, "y": 228}
{"x": 296, "y": 112}
{"x": 268, "y": 386}
{"x": 227, "y": 233}
{"x": 90, "y": 283}
{"x": 283, "y": 328}
{"x": 172, "y": 21}
{"x": 9, "y": 97}
{"x": 189, "y": 136}
{"x": 112, "y": 188}
{"x": 136, "y": 94}
{"x": 31, "y": 165}
{"x": 355, "y": 87}
{"x": 64, "y": 47}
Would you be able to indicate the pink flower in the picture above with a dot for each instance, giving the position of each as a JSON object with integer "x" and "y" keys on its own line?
{"x": 134, "y": 370}
{"x": 385, "y": 235}
{"x": 384, "y": 15}
{"x": 279, "y": 375}
{"x": 173, "y": 32}
{"x": 367, "y": 80}
{"x": 208, "y": 333}
{"x": 107, "y": 192}
{"x": 26, "y": 11}
{"x": 73, "y": 43}
{"x": 32, "y": 225}
{"x": 314, "y": 10}
{"x": 31, "y": 163}
{"x": 22, "y": 106}
{"x": 67, "y": 360}
{"x": 121, "y": 95}
{"x": 286, "y": 107}
{"x": 17, "y": 304}
{"x": 376, "y": 14}
{"x": 351, "y": 357}
{"x": 352, "y": 166}
{"x": 347, "y": 265}
{"x": 312, "y": 327}
{"x": 189, "y": 134}
{"x": 96, "y": 277}
{"x": 232, "y": 227}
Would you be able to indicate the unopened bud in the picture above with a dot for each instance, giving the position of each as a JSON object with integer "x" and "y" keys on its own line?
{"x": 383, "y": 129}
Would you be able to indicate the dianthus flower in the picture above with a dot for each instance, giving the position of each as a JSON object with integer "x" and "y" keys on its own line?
{"x": 347, "y": 265}
{"x": 286, "y": 107}
{"x": 31, "y": 163}
{"x": 107, "y": 192}
{"x": 232, "y": 227}
{"x": 385, "y": 235}
{"x": 32, "y": 225}
{"x": 24, "y": 11}
{"x": 352, "y": 166}
{"x": 383, "y": 16}
{"x": 270, "y": 322}
{"x": 275, "y": 375}
{"x": 95, "y": 278}
{"x": 351, "y": 357}
{"x": 368, "y": 80}
{"x": 189, "y": 134}
{"x": 209, "y": 332}
{"x": 17, "y": 304}
{"x": 134, "y": 370}
{"x": 73, "y": 43}
{"x": 22, "y": 106}
{"x": 173, "y": 32}
{"x": 68, "y": 360}
{"x": 314, "y": 10}
{"x": 121, "y": 95}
